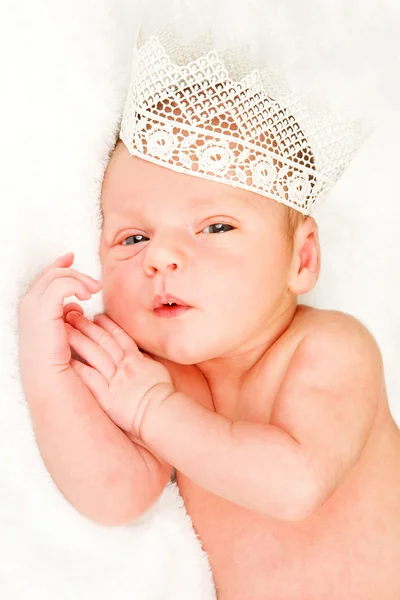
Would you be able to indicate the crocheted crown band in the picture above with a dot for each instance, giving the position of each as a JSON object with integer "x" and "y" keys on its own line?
{"x": 211, "y": 115}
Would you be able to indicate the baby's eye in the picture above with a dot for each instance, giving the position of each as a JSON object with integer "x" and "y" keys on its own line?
{"x": 141, "y": 238}
{"x": 218, "y": 227}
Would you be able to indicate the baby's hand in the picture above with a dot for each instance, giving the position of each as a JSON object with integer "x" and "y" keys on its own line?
{"x": 117, "y": 373}
{"x": 43, "y": 338}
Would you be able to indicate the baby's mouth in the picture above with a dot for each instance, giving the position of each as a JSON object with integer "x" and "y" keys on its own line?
{"x": 171, "y": 310}
{"x": 162, "y": 300}
{"x": 166, "y": 305}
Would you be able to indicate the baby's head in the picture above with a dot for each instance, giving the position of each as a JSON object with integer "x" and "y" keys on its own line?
{"x": 237, "y": 258}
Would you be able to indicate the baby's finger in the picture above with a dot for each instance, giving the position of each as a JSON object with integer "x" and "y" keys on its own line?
{"x": 92, "y": 378}
{"x": 95, "y": 356}
{"x": 122, "y": 338}
{"x": 56, "y": 273}
{"x": 65, "y": 260}
{"x": 72, "y": 306}
{"x": 52, "y": 301}
{"x": 96, "y": 334}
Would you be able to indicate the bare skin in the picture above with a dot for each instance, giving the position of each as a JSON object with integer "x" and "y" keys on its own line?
{"x": 348, "y": 546}
{"x": 347, "y": 549}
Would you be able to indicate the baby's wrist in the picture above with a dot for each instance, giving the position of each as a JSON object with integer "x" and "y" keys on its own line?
{"x": 150, "y": 403}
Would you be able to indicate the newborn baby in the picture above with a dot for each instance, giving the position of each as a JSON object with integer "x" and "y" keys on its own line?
{"x": 273, "y": 414}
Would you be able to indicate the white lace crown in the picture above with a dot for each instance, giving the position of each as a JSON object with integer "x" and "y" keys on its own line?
{"x": 213, "y": 116}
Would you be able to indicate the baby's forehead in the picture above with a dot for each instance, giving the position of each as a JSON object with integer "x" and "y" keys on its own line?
{"x": 131, "y": 181}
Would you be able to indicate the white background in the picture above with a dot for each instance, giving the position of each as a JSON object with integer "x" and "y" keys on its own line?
{"x": 64, "y": 69}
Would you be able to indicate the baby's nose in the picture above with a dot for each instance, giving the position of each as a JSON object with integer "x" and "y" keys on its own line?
{"x": 164, "y": 260}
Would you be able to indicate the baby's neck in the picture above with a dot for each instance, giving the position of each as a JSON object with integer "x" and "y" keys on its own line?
{"x": 231, "y": 370}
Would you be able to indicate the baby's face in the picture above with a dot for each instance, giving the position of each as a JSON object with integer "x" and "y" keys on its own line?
{"x": 222, "y": 250}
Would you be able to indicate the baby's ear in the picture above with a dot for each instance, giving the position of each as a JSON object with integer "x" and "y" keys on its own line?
{"x": 306, "y": 261}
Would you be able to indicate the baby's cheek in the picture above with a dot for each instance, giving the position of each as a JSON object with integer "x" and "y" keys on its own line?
{"x": 120, "y": 306}
{"x": 111, "y": 293}
{"x": 114, "y": 303}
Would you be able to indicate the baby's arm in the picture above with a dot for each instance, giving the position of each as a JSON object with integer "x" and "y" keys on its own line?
{"x": 101, "y": 472}
{"x": 321, "y": 422}
{"x": 97, "y": 468}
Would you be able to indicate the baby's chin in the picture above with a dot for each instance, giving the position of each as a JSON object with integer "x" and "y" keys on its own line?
{"x": 181, "y": 356}
{"x": 175, "y": 357}
{"x": 179, "y": 347}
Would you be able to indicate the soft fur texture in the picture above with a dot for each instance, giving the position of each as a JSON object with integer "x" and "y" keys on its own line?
{"x": 64, "y": 74}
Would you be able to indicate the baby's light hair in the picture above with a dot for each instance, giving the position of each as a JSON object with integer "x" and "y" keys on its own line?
{"x": 293, "y": 218}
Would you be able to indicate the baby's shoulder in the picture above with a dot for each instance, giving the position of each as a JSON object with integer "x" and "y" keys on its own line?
{"x": 308, "y": 316}
{"x": 333, "y": 344}
{"x": 333, "y": 330}
{"x": 319, "y": 342}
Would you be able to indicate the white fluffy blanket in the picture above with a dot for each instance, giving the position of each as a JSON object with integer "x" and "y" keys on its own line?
{"x": 64, "y": 69}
